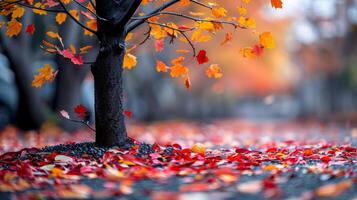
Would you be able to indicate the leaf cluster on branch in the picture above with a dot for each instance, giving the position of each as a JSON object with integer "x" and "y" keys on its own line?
{"x": 194, "y": 29}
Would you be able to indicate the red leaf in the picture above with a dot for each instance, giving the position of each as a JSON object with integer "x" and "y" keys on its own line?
{"x": 128, "y": 114}
{"x": 81, "y": 111}
{"x": 258, "y": 49}
{"x": 159, "y": 45}
{"x": 30, "y": 29}
{"x": 202, "y": 57}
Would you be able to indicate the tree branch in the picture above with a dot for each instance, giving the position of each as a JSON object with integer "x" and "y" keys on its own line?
{"x": 75, "y": 20}
{"x": 33, "y": 7}
{"x": 191, "y": 18}
{"x": 131, "y": 26}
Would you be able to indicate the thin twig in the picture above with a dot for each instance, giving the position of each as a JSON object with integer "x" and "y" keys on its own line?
{"x": 35, "y": 8}
{"x": 95, "y": 14}
{"x": 75, "y": 20}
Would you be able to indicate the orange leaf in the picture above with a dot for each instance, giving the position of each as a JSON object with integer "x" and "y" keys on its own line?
{"x": 277, "y": 3}
{"x": 13, "y": 28}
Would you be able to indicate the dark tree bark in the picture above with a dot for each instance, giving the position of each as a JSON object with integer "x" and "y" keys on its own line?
{"x": 107, "y": 71}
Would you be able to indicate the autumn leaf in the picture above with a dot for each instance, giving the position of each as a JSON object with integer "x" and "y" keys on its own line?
{"x": 161, "y": 66}
{"x": 277, "y": 3}
{"x": 91, "y": 24}
{"x": 45, "y": 74}
{"x": 258, "y": 49}
{"x": 18, "y": 12}
{"x": 219, "y": 12}
{"x": 267, "y": 40}
{"x": 128, "y": 114}
{"x": 159, "y": 45}
{"x": 61, "y": 18}
{"x": 227, "y": 38}
{"x": 202, "y": 57}
{"x": 214, "y": 71}
{"x": 178, "y": 70}
{"x": 30, "y": 29}
{"x": 187, "y": 82}
{"x": 64, "y": 114}
{"x": 81, "y": 111}
{"x": 13, "y": 28}
{"x": 130, "y": 61}
{"x": 198, "y": 148}
{"x": 39, "y": 11}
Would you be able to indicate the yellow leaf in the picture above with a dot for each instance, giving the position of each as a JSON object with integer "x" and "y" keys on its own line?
{"x": 178, "y": 69}
{"x": 45, "y": 74}
{"x": 198, "y": 148}
{"x": 130, "y": 61}
{"x": 214, "y": 71}
{"x": 171, "y": 29}
{"x": 267, "y": 40}
{"x": 74, "y": 14}
{"x": 219, "y": 12}
{"x": 53, "y": 35}
{"x": 247, "y": 52}
{"x": 13, "y": 28}
{"x": 197, "y": 36}
{"x": 129, "y": 36}
{"x": 61, "y": 18}
{"x": 209, "y": 26}
{"x": 37, "y": 11}
{"x": 250, "y": 23}
{"x": 18, "y": 12}
{"x": 242, "y": 10}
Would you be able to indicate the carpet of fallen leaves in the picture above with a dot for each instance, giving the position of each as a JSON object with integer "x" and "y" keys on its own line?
{"x": 216, "y": 160}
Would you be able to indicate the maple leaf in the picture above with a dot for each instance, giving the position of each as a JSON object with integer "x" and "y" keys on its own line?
{"x": 161, "y": 66}
{"x": 128, "y": 114}
{"x": 13, "y": 28}
{"x": 202, "y": 57}
{"x": 214, "y": 71}
{"x": 159, "y": 45}
{"x": 30, "y": 29}
{"x": 277, "y": 3}
{"x": 219, "y": 12}
{"x": 18, "y": 12}
{"x": 129, "y": 61}
{"x": 45, "y": 74}
{"x": 267, "y": 40}
{"x": 61, "y": 18}
{"x": 258, "y": 49}
{"x": 81, "y": 111}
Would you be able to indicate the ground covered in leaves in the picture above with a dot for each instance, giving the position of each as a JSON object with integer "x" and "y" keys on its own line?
{"x": 174, "y": 160}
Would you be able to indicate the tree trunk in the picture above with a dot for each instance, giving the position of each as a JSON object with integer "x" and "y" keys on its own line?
{"x": 107, "y": 71}
{"x": 30, "y": 114}
{"x": 108, "y": 86}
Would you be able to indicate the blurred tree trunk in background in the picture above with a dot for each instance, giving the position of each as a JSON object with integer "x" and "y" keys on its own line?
{"x": 31, "y": 108}
{"x": 68, "y": 92}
